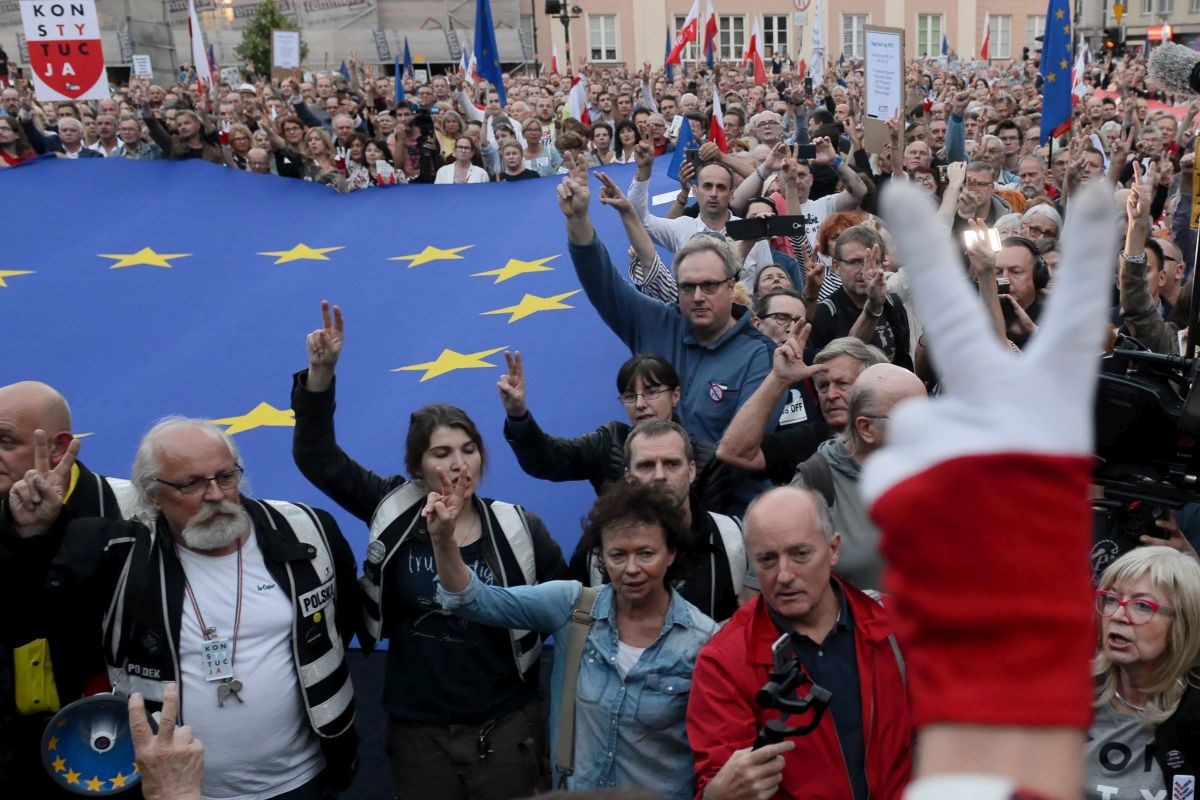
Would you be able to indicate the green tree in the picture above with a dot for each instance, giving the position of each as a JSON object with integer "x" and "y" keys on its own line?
{"x": 255, "y": 48}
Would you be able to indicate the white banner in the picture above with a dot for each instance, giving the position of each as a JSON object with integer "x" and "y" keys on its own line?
{"x": 65, "y": 57}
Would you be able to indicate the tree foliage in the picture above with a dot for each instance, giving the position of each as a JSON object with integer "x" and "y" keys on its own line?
{"x": 255, "y": 48}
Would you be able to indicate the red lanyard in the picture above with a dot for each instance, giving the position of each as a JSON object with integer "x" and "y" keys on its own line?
{"x": 211, "y": 633}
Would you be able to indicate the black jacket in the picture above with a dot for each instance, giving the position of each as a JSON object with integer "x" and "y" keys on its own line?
{"x": 835, "y": 317}
{"x": 1177, "y": 740}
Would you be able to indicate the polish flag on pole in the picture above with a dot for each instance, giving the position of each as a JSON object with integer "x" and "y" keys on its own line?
{"x": 716, "y": 123}
{"x": 754, "y": 53}
{"x": 199, "y": 56}
{"x": 577, "y": 100}
{"x": 987, "y": 34}
{"x": 554, "y": 59}
{"x": 710, "y": 35}
{"x": 687, "y": 34}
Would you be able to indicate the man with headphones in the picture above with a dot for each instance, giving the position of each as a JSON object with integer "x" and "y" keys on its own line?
{"x": 1020, "y": 263}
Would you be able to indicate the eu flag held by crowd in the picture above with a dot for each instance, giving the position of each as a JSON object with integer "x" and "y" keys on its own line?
{"x": 182, "y": 288}
{"x": 1055, "y": 69}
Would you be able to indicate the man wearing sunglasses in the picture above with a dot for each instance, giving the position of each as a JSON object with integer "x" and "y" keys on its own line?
{"x": 245, "y": 604}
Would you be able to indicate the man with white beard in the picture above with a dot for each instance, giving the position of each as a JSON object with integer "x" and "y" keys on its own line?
{"x": 232, "y": 598}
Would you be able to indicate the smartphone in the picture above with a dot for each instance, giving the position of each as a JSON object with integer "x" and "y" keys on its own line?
{"x": 942, "y": 172}
{"x": 762, "y": 227}
{"x": 991, "y": 236}
{"x": 806, "y": 152}
{"x": 808, "y": 85}
{"x": 692, "y": 154}
{"x": 1002, "y": 284}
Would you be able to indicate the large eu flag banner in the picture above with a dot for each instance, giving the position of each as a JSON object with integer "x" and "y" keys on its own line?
{"x": 141, "y": 289}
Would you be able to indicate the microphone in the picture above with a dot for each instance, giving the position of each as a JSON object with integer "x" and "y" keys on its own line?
{"x": 1175, "y": 68}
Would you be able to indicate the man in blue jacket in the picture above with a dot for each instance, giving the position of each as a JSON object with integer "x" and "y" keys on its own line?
{"x": 721, "y": 359}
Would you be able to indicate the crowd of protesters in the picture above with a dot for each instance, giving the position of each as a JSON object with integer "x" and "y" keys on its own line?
{"x": 737, "y": 524}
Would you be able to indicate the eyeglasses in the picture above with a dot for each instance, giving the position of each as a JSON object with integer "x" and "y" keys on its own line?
{"x": 851, "y": 262}
{"x": 782, "y": 319}
{"x": 707, "y": 287}
{"x": 195, "y": 486}
{"x": 1039, "y": 232}
{"x": 650, "y": 395}
{"x": 1139, "y": 610}
{"x": 979, "y": 184}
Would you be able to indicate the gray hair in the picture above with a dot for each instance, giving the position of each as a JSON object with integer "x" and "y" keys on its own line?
{"x": 982, "y": 166}
{"x": 146, "y": 465}
{"x": 653, "y": 428}
{"x": 820, "y": 507}
{"x": 863, "y": 235}
{"x": 862, "y": 404}
{"x": 866, "y": 354}
{"x": 1009, "y": 225}
{"x": 705, "y": 243}
{"x": 1044, "y": 210}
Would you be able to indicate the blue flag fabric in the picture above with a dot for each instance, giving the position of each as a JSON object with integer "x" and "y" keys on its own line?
{"x": 487, "y": 55}
{"x": 670, "y": 67}
{"x": 686, "y": 139}
{"x": 1055, "y": 69}
{"x": 399, "y": 79}
{"x": 344, "y": 70}
{"x": 945, "y": 45}
{"x": 164, "y": 312}
{"x": 408, "y": 63}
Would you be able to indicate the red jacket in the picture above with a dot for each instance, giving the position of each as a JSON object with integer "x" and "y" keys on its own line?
{"x": 722, "y": 716}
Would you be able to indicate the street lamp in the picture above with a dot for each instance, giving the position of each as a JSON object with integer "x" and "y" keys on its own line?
{"x": 565, "y": 14}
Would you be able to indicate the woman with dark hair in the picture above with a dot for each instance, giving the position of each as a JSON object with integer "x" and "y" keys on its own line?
{"x": 14, "y": 146}
{"x": 467, "y": 165}
{"x": 626, "y": 139}
{"x": 378, "y": 158}
{"x": 358, "y": 174}
{"x": 635, "y": 671}
{"x": 450, "y": 687}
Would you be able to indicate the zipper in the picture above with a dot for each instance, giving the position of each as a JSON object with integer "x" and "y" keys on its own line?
{"x": 162, "y": 590}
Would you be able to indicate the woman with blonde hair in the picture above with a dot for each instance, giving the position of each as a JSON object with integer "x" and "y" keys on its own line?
{"x": 1145, "y": 736}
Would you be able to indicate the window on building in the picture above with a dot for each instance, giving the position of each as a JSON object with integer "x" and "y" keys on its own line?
{"x": 854, "y": 35}
{"x": 1196, "y": 6}
{"x": 929, "y": 35}
{"x": 731, "y": 30}
{"x": 775, "y": 34}
{"x": 1167, "y": 7}
{"x": 1001, "y": 43}
{"x": 1035, "y": 26}
{"x": 602, "y": 37}
{"x": 689, "y": 53}
{"x": 1148, "y": 6}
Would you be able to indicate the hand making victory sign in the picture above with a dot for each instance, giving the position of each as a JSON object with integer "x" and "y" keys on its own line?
{"x": 324, "y": 347}
{"x": 36, "y": 500}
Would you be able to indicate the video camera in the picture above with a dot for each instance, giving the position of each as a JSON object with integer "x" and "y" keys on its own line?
{"x": 1147, "y": 445}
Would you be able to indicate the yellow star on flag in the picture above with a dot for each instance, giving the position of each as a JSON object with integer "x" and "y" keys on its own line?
{"x": 12, "y": 273}
{"x": 450, "y": 360}
{"x": 301, "y": 252}
{"x": 59, "y": 764}
{"x": 1058, "y": 14}
{"x": 72, "y": 776}
{"x": 1062, "y": 64}
{"x": 263, "y": 415}
{"x": 431, "y": 253}
{"x": 95, "y": 784}
{"x": 144, "y": 257}
{"x": 516, "y": 267}
{"x": 52, "y": 744}
{"x": 118, "y": 780}
{"x": 1052, "y": 77}
{"x": 1067, "y": 29}
{"x": 531, "y": 304}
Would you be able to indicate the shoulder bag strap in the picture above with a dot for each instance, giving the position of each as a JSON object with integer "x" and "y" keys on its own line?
{"x": 581, "y": 624}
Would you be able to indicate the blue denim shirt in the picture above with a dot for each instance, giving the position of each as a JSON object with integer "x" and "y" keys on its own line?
{"x": 628, "y": 732}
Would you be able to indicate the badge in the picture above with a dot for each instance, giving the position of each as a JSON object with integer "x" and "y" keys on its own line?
{"x": 376, "y": 550}
{"x": 1183, "y": 787}
{"x": 217, "y": 664}
{"x": 716, "y": 392}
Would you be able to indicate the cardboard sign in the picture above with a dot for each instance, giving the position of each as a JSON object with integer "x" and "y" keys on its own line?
{"x": 142, "y": 67}
{"x": 65, "y": 56}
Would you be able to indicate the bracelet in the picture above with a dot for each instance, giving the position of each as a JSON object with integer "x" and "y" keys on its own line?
{"x": 759, "y": 173}
{"x": 682, "y": 199}
{"x": 838, "y": 161}
{"x": 867, "y": 311}
{"x": 1138, "y": 259}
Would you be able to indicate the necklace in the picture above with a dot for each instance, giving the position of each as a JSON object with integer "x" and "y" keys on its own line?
{"x": 214, "y": 646}
{"x": 1128, "y": 704}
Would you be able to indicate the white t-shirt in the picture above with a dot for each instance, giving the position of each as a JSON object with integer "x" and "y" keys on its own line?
{"x": 815, "y": 212}
{"x": 263, "y": 746}
{"x": 627, "y": 657}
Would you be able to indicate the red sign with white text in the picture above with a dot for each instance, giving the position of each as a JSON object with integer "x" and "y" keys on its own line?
{"x": 65, "y": 55}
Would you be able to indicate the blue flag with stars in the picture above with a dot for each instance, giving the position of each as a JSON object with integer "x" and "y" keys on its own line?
{"x": 487, "y": 55}
{"x": 670, "y": 67}
{"x": 161, "y": 312}
{"x": 1055, "y": 70}
{"x": 408, "y": 63}
{"x": 399, "y": 80}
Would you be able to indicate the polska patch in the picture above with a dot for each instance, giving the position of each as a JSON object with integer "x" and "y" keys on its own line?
{"x": 716, "y": 392}
{"x": 316, "y": 599}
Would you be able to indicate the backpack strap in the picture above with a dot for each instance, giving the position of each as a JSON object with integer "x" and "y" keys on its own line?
{"x": 581, "y": 625}
{"x": 878, "y": 598}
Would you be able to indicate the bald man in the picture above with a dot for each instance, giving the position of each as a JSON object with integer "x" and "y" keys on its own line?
{"x": 40, "y": 671}
{"x": 843, "y": 641}
{"x": 833, "y": 471}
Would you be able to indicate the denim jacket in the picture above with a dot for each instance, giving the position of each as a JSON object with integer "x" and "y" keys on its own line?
{"x": 628, "y": 732}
